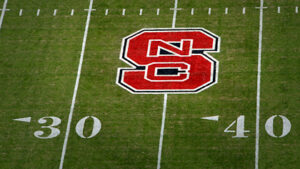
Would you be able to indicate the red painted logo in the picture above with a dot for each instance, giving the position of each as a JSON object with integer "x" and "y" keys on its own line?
{"x": 169, "y": 61}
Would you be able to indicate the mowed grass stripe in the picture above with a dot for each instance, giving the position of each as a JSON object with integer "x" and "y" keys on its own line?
{"x": 37, "y": 69}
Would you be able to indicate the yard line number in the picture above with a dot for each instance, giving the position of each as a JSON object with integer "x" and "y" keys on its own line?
{"x": 269, "y": 127}
{"x": 55, "y": 122}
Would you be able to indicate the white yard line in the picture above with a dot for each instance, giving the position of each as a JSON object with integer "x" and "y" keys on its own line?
{"x": 3, "y": 12}
{"x": 174, "y": 14}
{"x": 165, "y": 103}
{"x": 162, "y": 130}
{"x": 76, "y": 86}
{"x": 258, "y": 83}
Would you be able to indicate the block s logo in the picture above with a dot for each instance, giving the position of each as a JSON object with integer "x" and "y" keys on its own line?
{"x": 169, "y": 61}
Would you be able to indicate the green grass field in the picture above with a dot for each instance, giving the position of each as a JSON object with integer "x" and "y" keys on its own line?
{"x": 39, "y": 57}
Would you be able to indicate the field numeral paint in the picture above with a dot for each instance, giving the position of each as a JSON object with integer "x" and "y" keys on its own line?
{"x": 269, "y": 126}
{"x": 54, "y": 131}
{"x": 240, "y": 128}
{"x": 96, "y": 127}
{"x": 55, "y": 121}
{"x": 286, "y": 126}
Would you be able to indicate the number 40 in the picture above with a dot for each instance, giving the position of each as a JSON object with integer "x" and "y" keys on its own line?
{"x": 269, "y": 125}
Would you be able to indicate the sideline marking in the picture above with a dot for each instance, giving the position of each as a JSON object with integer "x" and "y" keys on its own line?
{"x": 20, "y": 12}
{"x": 141, "y": 11}
{"x": 209, "y": 11}
{"x": 54, "y": 12}
{"x": 76, "y": 86}
{"x": 165, "y": 102}
{"x": 123, "y": 12}
{"x": 106, "y": 11}
{"x": 258, "y": 83}
{"x": 72, "y": 12}
{"x": 226, "y": 11}
{"x": 244, "y": 10}
{"x": 3, "y": 12}
{"x": 38, "y": 12}
{"x": 157, "y": 11}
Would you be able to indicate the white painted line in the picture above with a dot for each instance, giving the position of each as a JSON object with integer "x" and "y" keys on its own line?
{"x": 162, "y": 129}
{"x": 157, "y": 11}
{"x": 123, "y": 12}
{"x": 209, "y": 11}
{"x": 76, "y": 86}
{"x": 175, "y": 13}
{"x": 72, "y": 12}
{"x": 258, "y": 83}
{"x": 165, "y": 102}
{"x": 244, "y": 10}
{"x": 278, "y": 9}
{"x": 3, "y": 12}
{"x": 213, "y": 118}
{"x": 262, "y": 7}
{"x": 91, "y": 10}
{"x": 141, "y": 11}
{"x": 296, "y": 9}
{"x": 54, "y": 12}
{"x": 192, "y": 11}
{"x": 20, "y": 12}
{"x": 106, "y": 12}
{"x": 24, "y": 119}
{"x": 38, "y": 12}
{"x": 226, "y": 11}
{"x": 5, "y": 9}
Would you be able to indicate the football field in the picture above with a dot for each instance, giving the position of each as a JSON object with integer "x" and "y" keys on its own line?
{"x": 61, "y": 106}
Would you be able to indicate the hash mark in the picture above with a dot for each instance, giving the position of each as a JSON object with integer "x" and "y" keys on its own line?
{"x": 38, "y": 12}
{"x": 141, "y": 11}
{"x": 21, "y": 12}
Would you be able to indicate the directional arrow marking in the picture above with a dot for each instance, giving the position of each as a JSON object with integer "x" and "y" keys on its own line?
{"x": 213, "y": 118}
{"x": 24, "y": 119}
